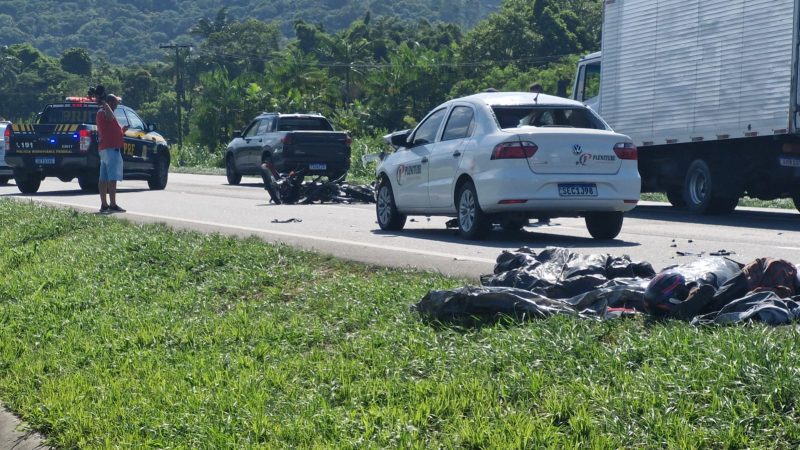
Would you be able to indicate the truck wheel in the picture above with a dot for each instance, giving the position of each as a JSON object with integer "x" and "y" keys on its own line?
{"x": 158, "y": 180}
{"x": 27, "y": 184}
{"x": 385, "y": 208}
{"x": 675, "y": 198}
{"x": 604, "y": 225}
{"x": 473, "y": 223}
{"x": 796, "y": 200}
{"x": 88, "y": 182}
{"x": 704, "y": 192}
{"x": 233, "y": 177}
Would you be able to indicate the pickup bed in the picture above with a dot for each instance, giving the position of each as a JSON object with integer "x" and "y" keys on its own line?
{"x": 63, "y": 144}
{"x": 290, "y": 142}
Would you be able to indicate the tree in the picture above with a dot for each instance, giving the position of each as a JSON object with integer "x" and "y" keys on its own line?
{"x": 205, "y": 27}
{"x": 77, "y": 61}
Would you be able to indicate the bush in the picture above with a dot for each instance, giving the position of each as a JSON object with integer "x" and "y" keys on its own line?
{"x": 192, "y": 155}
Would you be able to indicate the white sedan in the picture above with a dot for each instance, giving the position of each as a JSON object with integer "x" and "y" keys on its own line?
{"x": 506, "y": 157}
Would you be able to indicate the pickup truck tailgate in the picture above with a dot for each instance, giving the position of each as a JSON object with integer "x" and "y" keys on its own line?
{"x": 313, "y": 146}
{"x": 48, "y": 140}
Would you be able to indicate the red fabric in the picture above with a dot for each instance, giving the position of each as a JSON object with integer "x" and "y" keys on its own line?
{"x": 110, "y": 132}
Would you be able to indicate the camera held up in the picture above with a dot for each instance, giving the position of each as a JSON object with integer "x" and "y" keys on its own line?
{"x": 98, "y": 93}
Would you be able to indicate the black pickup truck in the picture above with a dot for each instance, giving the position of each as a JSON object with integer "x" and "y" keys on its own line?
{"x": 290, "y": 142}
{"x": 63, "y": 144}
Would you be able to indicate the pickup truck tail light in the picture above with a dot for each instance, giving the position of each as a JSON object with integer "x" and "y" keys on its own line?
{"x": 287, "y": 140}
{"x": 7, "y": 138}
{"x": 85, "y": 137}
{"x": 626, "y": 150}
{"x": 514, "y": 150}
{"x": 348, "y": 141}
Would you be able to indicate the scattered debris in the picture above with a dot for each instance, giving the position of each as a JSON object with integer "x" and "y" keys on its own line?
{"x": 680, "y": 253}
{"x": 452, "y": 223}
{"x": 722, "y": 252}
{"x": 292, "y": 220}
{"x": 293, "y": 189}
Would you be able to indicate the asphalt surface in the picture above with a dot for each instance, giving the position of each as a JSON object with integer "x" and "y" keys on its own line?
{"x": 653, "y": 232}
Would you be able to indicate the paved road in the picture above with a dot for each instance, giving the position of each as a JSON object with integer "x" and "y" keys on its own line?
{"x": 652, "y": 232}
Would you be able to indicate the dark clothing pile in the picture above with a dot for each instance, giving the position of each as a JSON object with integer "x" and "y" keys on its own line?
{"x": 526, "y": 285}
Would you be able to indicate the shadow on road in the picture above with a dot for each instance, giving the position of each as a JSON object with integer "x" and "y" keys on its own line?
{"x": 534, "y": 235}
{"x": 70, "y": 193}
{"x": 779, "y": 220}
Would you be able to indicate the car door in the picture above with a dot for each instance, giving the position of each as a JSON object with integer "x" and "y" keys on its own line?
{"x": 249, "y": 145}
{"x": 138, "y": 146}
{"x": 445, "y": 156}
{"x": 265, "y": 127}
{"x": 411, "y": 173}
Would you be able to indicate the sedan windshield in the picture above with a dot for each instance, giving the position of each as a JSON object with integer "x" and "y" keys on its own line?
{"x": 546, "y": 116}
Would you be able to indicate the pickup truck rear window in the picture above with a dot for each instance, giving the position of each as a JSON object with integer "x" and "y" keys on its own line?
{"x": 69, "y": 114}
{"x": 546, "y": 116}
{"x": 304, "y": 124}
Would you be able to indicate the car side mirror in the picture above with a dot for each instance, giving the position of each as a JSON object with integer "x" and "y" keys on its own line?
{"x": 400, "y": 138}
{"x": 237, "y": 134}
{"x": 151, "y": 127}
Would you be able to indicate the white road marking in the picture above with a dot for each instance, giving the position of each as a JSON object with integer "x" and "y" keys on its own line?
{"x": 288, "y": 234}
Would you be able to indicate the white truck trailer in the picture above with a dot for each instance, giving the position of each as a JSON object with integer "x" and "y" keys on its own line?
{"x": 708, "y": 90}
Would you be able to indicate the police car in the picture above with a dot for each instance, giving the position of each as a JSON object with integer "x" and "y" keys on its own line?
{"x": 63, "y": 144}
{"x": 506, "y": 157}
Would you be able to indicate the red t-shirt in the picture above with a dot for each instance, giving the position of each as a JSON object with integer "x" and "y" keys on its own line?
{"x": 110, "y": 132}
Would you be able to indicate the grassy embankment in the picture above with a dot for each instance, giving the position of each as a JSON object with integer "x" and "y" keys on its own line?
{"x": 121, "y": 335}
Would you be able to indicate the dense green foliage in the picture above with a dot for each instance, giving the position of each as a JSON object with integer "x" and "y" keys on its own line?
{"x": 152, "y": 338}
{"x": 130, "y": 32}
{"x": 374, "y": 75}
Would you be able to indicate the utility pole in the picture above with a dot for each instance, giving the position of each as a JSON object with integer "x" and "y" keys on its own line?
{"x": 178, "y": 85}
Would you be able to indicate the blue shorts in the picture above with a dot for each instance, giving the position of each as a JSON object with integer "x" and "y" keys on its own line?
{"x": 110, "y": 165}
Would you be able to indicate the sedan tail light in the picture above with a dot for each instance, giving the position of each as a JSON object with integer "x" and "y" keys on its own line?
{"x": 626, "y": 150}
{"x": 514, "y": 150}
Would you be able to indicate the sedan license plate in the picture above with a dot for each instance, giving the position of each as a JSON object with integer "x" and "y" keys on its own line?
{"x": 45, "y": 160}
{"x": 577, "y": 190}
{"x": 318, "y": 166}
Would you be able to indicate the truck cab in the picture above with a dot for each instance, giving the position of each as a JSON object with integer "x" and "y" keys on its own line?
{"x": 587, "y": 81}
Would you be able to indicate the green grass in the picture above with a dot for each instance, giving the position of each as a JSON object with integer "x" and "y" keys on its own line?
{"x": 121, "y": 335}
{"x": 780, "y": 203}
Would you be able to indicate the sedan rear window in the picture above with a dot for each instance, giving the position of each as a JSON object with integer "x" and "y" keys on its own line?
{"x": 546, "y": 116}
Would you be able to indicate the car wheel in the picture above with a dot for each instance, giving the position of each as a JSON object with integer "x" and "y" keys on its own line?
{"x": 675, "y": 198}
{"x": 88, "y": 182}
{"x": 27, "y": 184}
{"x": 473, "y": 223}
{"x": 604, "y": 225}
{"x": 160, "y": 176}
{"x": 233, "y": 177}
{"x": 386, "y": 209}
{"x": 4, "y": 180}
{"x": 703, "y": 192}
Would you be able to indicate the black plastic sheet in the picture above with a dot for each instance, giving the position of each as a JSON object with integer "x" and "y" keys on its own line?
{"x": 526, "y": 285}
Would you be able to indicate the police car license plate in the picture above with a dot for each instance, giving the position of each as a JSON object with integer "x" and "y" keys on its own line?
{"x": 45, "y": 160}
{"x": 786, "y": 161}
{"x": 577, "y": 190}
{"x": 318, "y": 166}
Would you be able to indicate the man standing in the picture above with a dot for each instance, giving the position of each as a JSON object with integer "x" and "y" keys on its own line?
{"x": 110, "y": 149}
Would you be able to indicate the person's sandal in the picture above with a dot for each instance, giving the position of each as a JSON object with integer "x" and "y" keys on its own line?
{"x": 115, "y": 208}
